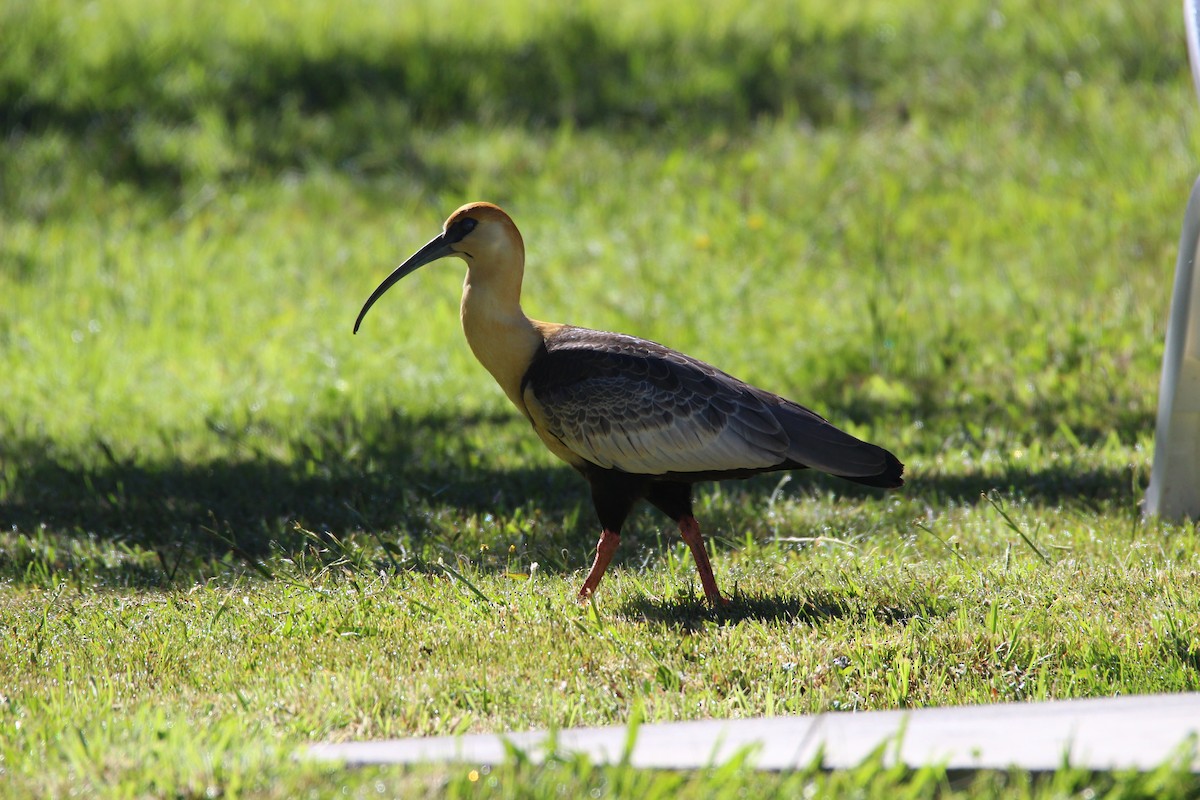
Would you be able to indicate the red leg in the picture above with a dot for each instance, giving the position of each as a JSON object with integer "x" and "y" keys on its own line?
{"x": 690, "y": 530}
{"x": 605, "y": 549}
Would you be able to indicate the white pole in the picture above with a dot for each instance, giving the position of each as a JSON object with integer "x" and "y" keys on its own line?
{"x": 1174, "y": 491}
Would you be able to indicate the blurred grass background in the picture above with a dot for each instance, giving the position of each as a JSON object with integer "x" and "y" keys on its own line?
{"x": 155, "y": 91}
{"x": 950, "y": 224}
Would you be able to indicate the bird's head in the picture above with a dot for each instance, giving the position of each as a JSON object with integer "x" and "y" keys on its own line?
{"x": 479, "y": 233}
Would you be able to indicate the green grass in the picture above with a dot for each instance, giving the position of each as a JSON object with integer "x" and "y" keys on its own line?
{"x": 229, "y": 528}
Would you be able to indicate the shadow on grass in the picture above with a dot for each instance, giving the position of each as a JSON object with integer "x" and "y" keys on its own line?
{"x": 396, "y": 473}
{"x": 692, "y": 613}
{"x": 430, "y": 479}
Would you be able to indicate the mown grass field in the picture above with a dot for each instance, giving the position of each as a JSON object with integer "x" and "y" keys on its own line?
{"x": 229, "y": 528}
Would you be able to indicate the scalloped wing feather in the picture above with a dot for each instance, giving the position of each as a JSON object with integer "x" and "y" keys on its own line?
{"x": 629, "y": 404}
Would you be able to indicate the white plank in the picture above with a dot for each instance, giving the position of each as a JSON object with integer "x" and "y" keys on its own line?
{"x": 1103, "y": 734}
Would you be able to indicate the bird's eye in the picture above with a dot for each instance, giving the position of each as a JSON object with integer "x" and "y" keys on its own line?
{"x": 460, "y": 229}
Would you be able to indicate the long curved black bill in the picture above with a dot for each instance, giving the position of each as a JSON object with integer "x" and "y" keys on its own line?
{"x": 437, "y": 247}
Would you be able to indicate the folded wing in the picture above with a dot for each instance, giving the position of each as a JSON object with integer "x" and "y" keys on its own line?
{"x": 625, "y": 403}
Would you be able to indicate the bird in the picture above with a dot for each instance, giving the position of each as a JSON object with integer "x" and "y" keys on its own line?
{"x": 638, "y": 420}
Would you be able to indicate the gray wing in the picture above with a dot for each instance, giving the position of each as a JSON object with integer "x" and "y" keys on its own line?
{"x": 633, "y": 405}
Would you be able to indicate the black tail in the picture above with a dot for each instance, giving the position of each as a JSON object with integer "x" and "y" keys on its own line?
{"x": 889, "y": 477}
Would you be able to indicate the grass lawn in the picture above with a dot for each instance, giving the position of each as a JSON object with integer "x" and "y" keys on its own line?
{"x": 229, "y": 528}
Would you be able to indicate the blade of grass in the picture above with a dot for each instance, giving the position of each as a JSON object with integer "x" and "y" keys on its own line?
{"x": 458, "y": 576}
{"x": 1012, "y": 525}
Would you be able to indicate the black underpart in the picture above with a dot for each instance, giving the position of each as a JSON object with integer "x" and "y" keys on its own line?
{"x": 672, "y": 498}
{"x": 614, "y": 494}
